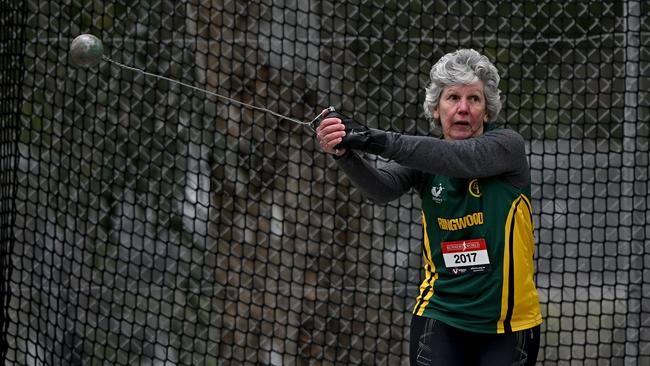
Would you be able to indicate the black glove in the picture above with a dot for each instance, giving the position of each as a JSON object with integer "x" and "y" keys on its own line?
{"x": 360, "y": 137}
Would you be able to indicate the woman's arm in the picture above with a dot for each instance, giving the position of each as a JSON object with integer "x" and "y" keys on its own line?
{"x": 380, "y": 184}
{"x": 496, "y": 152}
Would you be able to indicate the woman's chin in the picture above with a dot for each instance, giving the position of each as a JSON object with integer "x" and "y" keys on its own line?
{"x": 458, "y": 134}
{"x": 462, "y": 132}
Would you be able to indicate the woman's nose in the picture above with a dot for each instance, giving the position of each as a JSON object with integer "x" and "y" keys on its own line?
{"x": 463, "y": 106}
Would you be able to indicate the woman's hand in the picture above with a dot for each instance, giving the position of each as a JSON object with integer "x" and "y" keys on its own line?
{"x": 329, "y": 133}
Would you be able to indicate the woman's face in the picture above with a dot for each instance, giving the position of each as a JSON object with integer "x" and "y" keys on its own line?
{"x": 462, "y": 110}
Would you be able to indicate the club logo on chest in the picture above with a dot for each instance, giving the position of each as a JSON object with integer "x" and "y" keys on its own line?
{"x": 474, "y": 188}
{"x": 436, "y": 193}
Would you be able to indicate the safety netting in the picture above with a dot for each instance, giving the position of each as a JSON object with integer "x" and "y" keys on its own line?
{"x": 147, "y": 223}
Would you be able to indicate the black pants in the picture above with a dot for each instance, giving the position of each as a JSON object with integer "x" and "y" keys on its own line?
{"x": 435, "y": 343}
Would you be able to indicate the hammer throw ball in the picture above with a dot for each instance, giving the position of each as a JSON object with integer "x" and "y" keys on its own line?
{"x": 86, "y": 50}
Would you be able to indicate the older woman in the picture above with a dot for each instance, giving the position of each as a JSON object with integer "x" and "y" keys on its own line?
{"x": 477, "y": 304}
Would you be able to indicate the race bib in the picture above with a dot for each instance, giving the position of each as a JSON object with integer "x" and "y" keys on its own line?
{"x": 466, "y": 256}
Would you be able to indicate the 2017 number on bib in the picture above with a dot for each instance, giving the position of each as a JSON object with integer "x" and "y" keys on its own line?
{"x": 466, "y": 256}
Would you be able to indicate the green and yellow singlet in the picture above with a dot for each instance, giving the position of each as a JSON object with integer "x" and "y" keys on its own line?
{"x": 478, "y": 238}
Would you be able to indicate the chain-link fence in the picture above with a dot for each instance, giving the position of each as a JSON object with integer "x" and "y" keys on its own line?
{"x": 144, "y": 223}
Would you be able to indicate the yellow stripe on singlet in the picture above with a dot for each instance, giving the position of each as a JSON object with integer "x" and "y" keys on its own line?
{"x": 505, "y": 289}
{"x": 426, "y": 288}
{"x": 524, "y": 312}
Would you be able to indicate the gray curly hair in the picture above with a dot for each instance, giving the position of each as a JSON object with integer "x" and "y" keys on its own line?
{"x": 464, "y": 66}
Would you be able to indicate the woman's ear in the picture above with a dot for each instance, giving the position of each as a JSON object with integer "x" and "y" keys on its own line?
{"x": 435, "y": 113}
